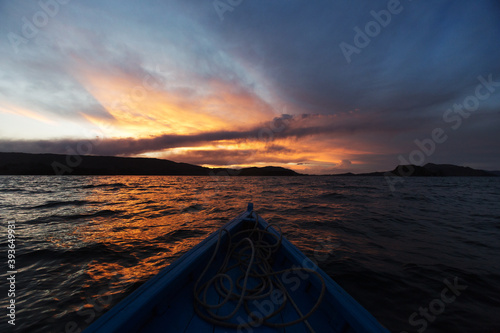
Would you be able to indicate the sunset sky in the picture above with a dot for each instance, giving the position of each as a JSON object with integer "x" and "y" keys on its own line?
{"x": 316, "y": 86}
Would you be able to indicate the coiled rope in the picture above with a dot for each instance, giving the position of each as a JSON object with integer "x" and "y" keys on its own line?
{"x": 248, "y": 252}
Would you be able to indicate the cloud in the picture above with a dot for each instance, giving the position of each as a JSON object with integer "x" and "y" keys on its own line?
{"x": 218, "y": 85}
{"x": 285, "y": 126}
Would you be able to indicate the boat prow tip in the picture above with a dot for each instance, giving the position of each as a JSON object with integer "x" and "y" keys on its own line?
{"x": 250, "y": 207}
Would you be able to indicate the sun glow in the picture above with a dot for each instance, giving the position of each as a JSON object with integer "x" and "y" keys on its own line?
{"x": 139, "y": 106}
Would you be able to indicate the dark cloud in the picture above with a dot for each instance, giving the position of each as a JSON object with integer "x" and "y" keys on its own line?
{"x": 280, "y": 127}
{"x": 428, "y": 54}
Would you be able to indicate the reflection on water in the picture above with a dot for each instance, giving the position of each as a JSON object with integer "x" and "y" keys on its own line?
{"x": 84, "y": 243}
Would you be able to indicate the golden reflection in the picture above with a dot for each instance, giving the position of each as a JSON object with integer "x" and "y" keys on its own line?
{"x": 156, "y": 227}
{"x": 136, "y": 226}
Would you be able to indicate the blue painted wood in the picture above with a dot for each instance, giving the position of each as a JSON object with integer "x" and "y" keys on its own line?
{"x": 356, "y": 316}
{"x": 165, "y": 303}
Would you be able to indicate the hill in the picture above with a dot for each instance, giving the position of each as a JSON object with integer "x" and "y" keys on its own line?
{"x": 439, "y": 170}
{"x": 56, "y": 164}
{"x": 267, "y": 171}
{"x": 428, "y": 170}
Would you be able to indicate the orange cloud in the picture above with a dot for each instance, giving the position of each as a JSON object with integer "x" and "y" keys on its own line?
{"x": 304, "y": 155}
{"x": 143, "y": 106}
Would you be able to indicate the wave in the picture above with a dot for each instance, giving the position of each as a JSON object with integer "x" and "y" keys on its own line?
{"x": 12, "y": 190}
{"x": 103, "y": 251}
{"x": 192, "y": 208}
{"x": 332, "y": 195}
{"x": 54, "y": 204}
{"x": 179, "y": 235}
{"x": 62, "y": 218}
{"x": 114, "y": 185}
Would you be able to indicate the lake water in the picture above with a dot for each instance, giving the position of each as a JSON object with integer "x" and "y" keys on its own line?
{"x": 84, "y": 243}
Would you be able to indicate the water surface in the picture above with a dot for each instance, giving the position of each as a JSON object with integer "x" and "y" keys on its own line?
{"x": 84, "y": 243}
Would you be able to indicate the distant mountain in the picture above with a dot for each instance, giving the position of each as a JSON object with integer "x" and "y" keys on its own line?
{"x": 53, "y": 164}
{"x": 347, "y": 174}
{"x": 448, "y": 170}
{"x": 440, "y": 170}
{"x": 56, "y": 164}
{"x": 430, "y": 170}
{"x": 267, "y": 171}
{"x": 412, "y": 171}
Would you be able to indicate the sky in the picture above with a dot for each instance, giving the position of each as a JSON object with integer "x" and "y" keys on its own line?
{"x": 321, "y": 87}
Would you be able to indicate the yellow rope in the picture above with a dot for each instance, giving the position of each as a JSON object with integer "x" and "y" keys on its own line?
{"x": 253, "y": 256}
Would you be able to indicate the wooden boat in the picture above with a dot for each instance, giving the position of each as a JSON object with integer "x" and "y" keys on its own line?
{"x": 244, "y": 278}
